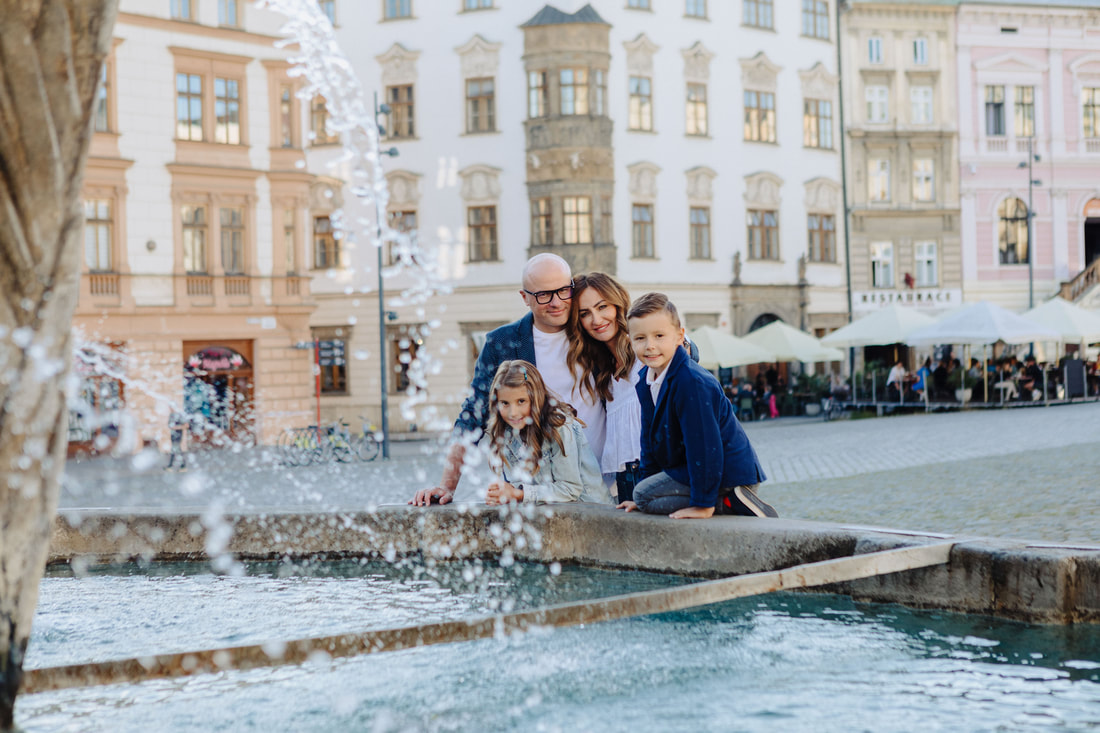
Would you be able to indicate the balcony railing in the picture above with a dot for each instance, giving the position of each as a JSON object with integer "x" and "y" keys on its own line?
{"x": 200, "y": 285}
{"x": 103, "y": 283}
{"x": 237, "y": 285}
{"x": 1083, "y": 281}
{"x": 996, "y": 144}
{"x": 1092, "y": 145}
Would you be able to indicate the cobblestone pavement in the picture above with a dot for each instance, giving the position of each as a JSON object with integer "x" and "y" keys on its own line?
{"x": 1031, "y": 473}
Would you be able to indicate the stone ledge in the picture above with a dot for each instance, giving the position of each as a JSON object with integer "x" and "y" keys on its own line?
{"x": 1006, "y": 578}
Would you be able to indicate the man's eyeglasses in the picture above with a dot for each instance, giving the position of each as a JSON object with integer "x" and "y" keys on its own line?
{"x": 544, "y": 297}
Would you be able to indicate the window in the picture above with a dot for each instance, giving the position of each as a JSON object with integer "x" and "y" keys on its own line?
{"x": 290, "y": 244}
{"x": 480, "y": 105}
{"x": 542, "y": 227}
{"x": 318, "y": 123}
{"x": 1012, "y": 232}
{"x": 994, "y": 111}
{"x": 695, "y": 8}
{"x": 1090, "y": 112}
{"x": 878, "y": 103}
{"x": 822, "y": 237}
{"x": 642, "y": 230}
{"x": 97, "y": 235}
{"x": 182, "y": 10}
{"x": 882, "y": 264}
{"x": 1025, "y": 111}
{"x": 926, "y": 265}
{"x": 920, "y": 103}
{"x": 400, "y": 122}
{"x": 194, "y": 239}
{"x": 606, "y": 220}
{"x": 286, "y": 118}
{"x": 699, "y": 218}
{"x": 641, "y": 104}
{"x": 482, "y": 224}
{"x": 757, "y": 13}
{"x": 227, "y": 13}
{"x": 763, "y": 239}
{"x": 328, "y": 7}
{"x": 538, "y": 95}
{"x": 924, "y": 180}
{"x": 574, "y": 91}
{"x": 397, "y": 9}
{"x": 815, "y": 19}
{"x": 476, "y": 4}
{"x": 878, "y": 179}
{"x": 405, "y": 223}
{"x": 326, "y": 248}
{"x": 188, "y": 107}
{"x": 696, "y": 109}
{"x": 760, "y": 117}
{"x": 405, "y": 342}
{"x": 232, "y": 234}
{"x": 332, "y": 349}
{"x": 227, "y": 111}
{"x": 817, "y": 123}
{"x": 920, "y": 51}
{"x": 874, "y": 50}
{"x": 577, "y": 219}
{"x": 102, "y": 118}
{"x": 600, "y": 80}
{"x": 639, "y": 4}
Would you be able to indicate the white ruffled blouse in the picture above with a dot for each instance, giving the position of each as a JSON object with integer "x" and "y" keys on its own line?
{"x": 623, "y": 440}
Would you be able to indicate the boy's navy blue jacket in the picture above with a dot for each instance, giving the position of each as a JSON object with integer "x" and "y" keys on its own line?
{"x": 692, "y": 434}
{"x": 514, "y": 340}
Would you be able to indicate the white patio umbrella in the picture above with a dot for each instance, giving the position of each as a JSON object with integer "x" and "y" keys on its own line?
{"x": 789, "y": 344}
{"x": 891, "y": 325}
{"x": 979, "y": 324}
{"x": 1073, "y": 323}
{"x": 721, "y": 349}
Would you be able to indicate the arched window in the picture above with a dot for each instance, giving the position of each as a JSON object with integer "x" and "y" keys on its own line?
{"x": 763, "y": 320}
{"x": 1012, "y": 232}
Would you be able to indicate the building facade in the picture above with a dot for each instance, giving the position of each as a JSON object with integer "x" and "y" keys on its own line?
{"x": 1029, "y": 86}
{"x": 900, "y": 116}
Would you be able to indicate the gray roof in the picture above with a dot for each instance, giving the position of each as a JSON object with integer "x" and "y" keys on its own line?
{"x": 550, "y": 15}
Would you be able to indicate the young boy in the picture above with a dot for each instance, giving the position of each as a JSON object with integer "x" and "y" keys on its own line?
{"x": 696, "y": 458}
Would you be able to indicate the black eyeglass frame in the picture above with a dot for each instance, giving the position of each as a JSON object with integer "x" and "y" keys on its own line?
{"x": 549, "y": 294}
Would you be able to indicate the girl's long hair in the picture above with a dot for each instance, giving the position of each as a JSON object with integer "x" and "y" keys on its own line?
{"x": 599, "y": 365}
{"x": 548, "y": 411}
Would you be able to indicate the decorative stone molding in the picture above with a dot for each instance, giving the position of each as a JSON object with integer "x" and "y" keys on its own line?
{"x": 697, "y": 63}
{"x": 762, "y": 190}
{"x": 699, "y": 184}
{"x": 759, "y": 73}
{"x": 1086, "y": 73}
{"x": 643, "y": 182}
{"x": 404, "y": 189}
{"x": 1011, "y": 63}
{"x": 398, "y": 65}
{"x": 479, "y": 58}
{"x": 822, "y": 196}
{"x": 480, "y": 183}
{"x": 639, "y": 55}
{"x": 817, "y": 83}
{"x": 326, "y": 195}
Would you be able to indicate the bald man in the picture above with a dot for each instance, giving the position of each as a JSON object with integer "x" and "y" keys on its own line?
{"x": 540, "y": 338}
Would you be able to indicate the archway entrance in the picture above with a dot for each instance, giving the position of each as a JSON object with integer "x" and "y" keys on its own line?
{"x": 218, "y": 392}
{"x": 1092, "y": 231}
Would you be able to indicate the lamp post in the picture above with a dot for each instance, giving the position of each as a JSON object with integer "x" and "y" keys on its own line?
{"x": 380, "y": 110}
{"x": 1031, "y": 183}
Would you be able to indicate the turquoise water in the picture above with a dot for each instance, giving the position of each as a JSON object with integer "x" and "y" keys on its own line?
{"x": 780, "y": 662}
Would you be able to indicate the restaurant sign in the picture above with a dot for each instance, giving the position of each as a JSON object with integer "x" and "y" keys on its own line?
{"x": 922, "y": 298}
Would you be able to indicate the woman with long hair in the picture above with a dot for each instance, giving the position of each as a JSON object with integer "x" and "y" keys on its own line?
{"x": 601, "y": 356}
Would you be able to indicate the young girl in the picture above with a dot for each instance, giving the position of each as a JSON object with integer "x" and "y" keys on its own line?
{"x": 541, "y": 448}
{"x": 601, "y": 355}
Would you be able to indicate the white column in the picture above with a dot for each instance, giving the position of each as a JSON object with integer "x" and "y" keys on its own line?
{"x": 968, "y": 240}
{"x": 1056, "y": 77}
{"x": 1060, "y": 225}
{"x": 967, "y": 147}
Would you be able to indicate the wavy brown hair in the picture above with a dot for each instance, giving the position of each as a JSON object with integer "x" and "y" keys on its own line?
{"x": 598, "y": 363}
{"x": 548, "y": 411}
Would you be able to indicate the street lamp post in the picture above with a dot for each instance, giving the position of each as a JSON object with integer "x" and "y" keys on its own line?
{"x": 379, "y": 110}
{"x": 1031, "y": 183}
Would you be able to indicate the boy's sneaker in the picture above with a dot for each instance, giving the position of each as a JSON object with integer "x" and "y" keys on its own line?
{"x": 756, "y": 506}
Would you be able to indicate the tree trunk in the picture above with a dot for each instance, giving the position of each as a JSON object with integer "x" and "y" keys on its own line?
{"x": 51, "y": 55}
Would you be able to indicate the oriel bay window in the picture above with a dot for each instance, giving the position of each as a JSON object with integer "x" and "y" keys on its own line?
{"x": 481, "y": 221}
{"x": 542, "y": 232}
{"x": 538, "y": 94}
{"x": 763, "y": 235}
{"x": 577, "y": 219}
{"x": 574, "y": 91}
{"x": 194, "y": 239}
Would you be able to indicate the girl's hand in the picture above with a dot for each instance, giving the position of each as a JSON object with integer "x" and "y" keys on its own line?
{"x": 693, "y": 512}
{"x": 628, "y": 506}
{"x": 502, "y": 492}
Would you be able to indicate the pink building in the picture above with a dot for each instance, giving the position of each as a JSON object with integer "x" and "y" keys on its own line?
{"x": 1029, "y": 79}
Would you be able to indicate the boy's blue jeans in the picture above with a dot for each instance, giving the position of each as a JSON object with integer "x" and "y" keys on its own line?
{"x": 661, "y": 494}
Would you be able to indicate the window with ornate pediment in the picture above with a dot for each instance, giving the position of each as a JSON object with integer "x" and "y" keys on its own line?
{"x": 762, "y": 215}
{"x": 480, "y": 192}
{"x": 639, "y": 63}
{"x": 697, "y": 75}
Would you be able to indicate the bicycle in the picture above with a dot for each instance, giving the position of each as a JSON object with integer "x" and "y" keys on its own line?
{"x": 831, "y": 409}
{"x": 337, "y": 443}
{"x": 365, "y": 445}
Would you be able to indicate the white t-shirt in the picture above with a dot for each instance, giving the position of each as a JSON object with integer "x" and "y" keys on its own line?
{"x": 550, "y": 354}
{"x": 655, "y": 383}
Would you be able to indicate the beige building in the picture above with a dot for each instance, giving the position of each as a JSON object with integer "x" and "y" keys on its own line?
{"x": 194, "y": 286}
{"x": 902, "y": 151}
